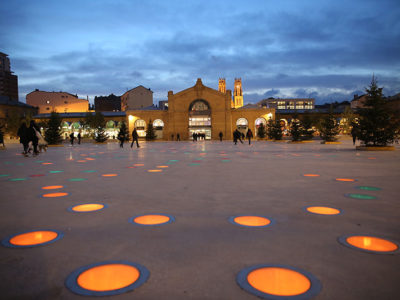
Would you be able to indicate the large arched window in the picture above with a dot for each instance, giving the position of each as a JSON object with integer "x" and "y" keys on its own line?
{"x": 260, "y": 121}
{"x": 199, "y": 105}
{"x": 140, "y": 124}
{"x": 110, "y": 124}
{"x": 242, "y": 123}
{"x": 75, "y": 125}
{"x": 200, "y": 118}
{"x": 158, "y": 124}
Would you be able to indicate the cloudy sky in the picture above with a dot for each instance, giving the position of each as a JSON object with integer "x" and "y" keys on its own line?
{"x": 287, "y": 48}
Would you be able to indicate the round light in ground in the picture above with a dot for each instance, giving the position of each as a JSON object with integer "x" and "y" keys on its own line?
{"x": 162, "y": 167}
{"x": 369, "y": 188}
{"x": 345, "y": 179}
{"x": 154, "y": 171}
{"x": 152, "y": 219}
{"x": 251, "y": 221}
{"x": 311, "y": 175}
{"x": 323, "y": 210}
{"x": 278, "y": 282}
{"x": 52, "y": 187}
{"x": 17, "y": 179}
{"x": 107, "y": 278}
{"x": 369, "y": 244}
{"x": 138, "y": 165}
{"x": 361, "y": 196}
{"x": 37, "y": 175}
{"x": 54, "y": 195}
{"x": 47, "y": 163}
{"x": 109, "y": 175}
{"x": 32, "y": 238}
{"x": 89, "y": 207}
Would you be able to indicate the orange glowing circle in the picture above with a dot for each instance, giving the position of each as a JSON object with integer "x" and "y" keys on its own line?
{"x": 151, "y": 219}
{"x": 372, "y": 243}
{"x": 88, "y": 207}
{"x": 33, "y": 238}
{"x": 138, "y": 165}
{"x": 311, "y": 175}
{"x": 162, "y": 167}
{"x": 345, "y": 179}
{"x": 52, "y": 187}
{"x": 108, "y": 277}
{"x": 89, "y": 158}
{"x": 279, "y": 281}
{"x": 109, "y": 175}
{"x": 54, "y": 195}
{"x": 154, "y": 171}
{"x": 81, "y": 161}
{"x": 323, "y": 210}
{"x": 252, "y": 221}
{"x": 47, "y": 163}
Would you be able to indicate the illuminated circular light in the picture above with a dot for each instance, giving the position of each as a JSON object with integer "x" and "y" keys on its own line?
{"x": 138, "y": 165}
{"x": 37, "y": 175}
{"x": 53, "y": 172}
{"x": 52, "y": 187}
{"x": 361, "y": 196}
{"x": 368, "y": 188}
{"x": 90, "y": 158}
{"x": 173, "y": 160}
{"x": 323, "y": 210}
{"x": 226, "y": 160}
{"x": 345, "y": 179}
{"x": 81, "y": 161}
{"x": 107, "y": 278}
{"x": 154, "y": 171}
{"x": 32, "y": 238}
{"x": 151, "y": 220}
{"x": 251, "y": 221}
{"x": 17, "y": 179}
{"x": 89, "y": 207}
{"x": 194, "y": 164}
{"x": 369, "y": 244}
{"x": 278, "y": 282}
{"x": 109, "y": 175}
{"x": 4, "y": 175}
{"x": 54, "y": 195}
{"x": 89, "y": 171}
{"x": 47, "y": 163}
{"x": 77, "y": 179}
{"x": 311, "y": 175}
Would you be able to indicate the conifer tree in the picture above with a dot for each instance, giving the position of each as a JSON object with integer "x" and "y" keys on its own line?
{"x": 261, "y": 131}
{"x": 150, "y": 133}
{"x": 377, "y": 124}
{"x": 100, "y": 135}
{"x": 52, "y": 134}
{"x": 307, "y": 124}
{"x": 296, "y": 129}
{"x": 329, "y": 128}
{"x": 277, "y": 131}
{"x": 270, "y": 129}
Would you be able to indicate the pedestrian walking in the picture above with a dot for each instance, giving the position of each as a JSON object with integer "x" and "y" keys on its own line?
{"x": 2, "y": 138}
{"x": 220, "y": 136}
{"x": 79, "y": 138}
{"x": 121, "y": 138}
{"x": 237, "y": 136}
{"x": 178, "y": 137}
{"x": 354, "y": 133}
{"x": 72, "y": 138}
{"x": 135, "y": 138}
{"x": 249, "y": 135}
{"x": 23, "y": 137}
{"x": 32, "y": 136}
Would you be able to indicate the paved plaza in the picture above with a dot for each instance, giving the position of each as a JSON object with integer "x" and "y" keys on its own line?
{"x": 201, "y": 186}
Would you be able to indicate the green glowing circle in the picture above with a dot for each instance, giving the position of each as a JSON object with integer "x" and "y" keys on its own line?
{"x": 361, "y": 196}
{"x": 53, "y": 172}
{"x": 77, "y": 179}
{"x": 369, "y": 188}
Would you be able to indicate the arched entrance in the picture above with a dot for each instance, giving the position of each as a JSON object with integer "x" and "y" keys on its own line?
{"x": 140, "y": 126}
{"x": 242, "y": 125}
{"x": 158, "y": 125}
{"x": 260, "y": 122}
{"x": 200, "y": 119}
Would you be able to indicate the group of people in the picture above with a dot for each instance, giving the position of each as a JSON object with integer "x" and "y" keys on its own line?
{"x": 72, "y": 138}
{"x": 237, "y": 136}
{"x": 178, "y": 137}
{"x": 31, "y": 139}
{"x": 122, "y": 138}
{"x": 198, "y": 136}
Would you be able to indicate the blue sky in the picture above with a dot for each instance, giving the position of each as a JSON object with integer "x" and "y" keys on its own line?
{"x": 323, "y": 49}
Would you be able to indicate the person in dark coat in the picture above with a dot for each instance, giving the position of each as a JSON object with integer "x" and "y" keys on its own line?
{"x": 178, "y": 137}
{"x": 354, "y": 133}
{"x": 32, "y": 136}
{"x": 23, "y": 137}
{"x": 249, "y": 135}
{"x": 220, "y": 136}
{"x": 72, "y": 138}
{"x": 79, "y": 138}
{"x": 237, "y": 136}
{"x": 121, "y": 138}
{"x": 135, "y": 138}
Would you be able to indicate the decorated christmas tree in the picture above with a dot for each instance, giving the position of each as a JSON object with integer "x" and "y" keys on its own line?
{"x": 296, "y": 129}
{"x": 329, "y": 128}
{"x": 277, "y": 130}
{"x": 377, "y": 123}
{"x": 308, "y": 131}
{"x": 150, "y": 133}
{"x": 261, "y": 131}
{"x": 100, "y": 135}
{"x": 52, "y": 134}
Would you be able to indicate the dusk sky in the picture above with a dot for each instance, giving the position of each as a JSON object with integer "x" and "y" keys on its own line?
{"x": 322, "y": 49}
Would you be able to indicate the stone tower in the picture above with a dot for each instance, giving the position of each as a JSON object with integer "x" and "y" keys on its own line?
{"x": 222, "y": 85}
{"x": 238, "y": 93}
